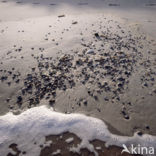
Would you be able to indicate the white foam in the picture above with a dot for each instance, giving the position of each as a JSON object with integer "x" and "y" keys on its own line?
{"x": 36, "y": 123}
{"x": 69, "y": 140}
{"x": 57, "y": 152}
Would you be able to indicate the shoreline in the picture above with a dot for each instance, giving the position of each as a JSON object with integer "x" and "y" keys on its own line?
{"x": 95, "y": 58}
{"x": 34, "y": 138}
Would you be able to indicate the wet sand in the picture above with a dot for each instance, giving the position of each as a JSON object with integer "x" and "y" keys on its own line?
{"x": 67, "y": 141}
{"x": 100, "y": 62}
{"x": 105, "y": 69}
{"x": 63, "y": 145}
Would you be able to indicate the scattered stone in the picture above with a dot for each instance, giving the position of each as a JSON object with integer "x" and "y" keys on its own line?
{"x": 79, "y": 62}
{"x": 95, "y": 97}
{"x": 106, "y": 99}
{"x": 140, "y": 133}
{"x": 91, "y": 52}
{"x": 9, "y": 83}
{"x": 124, "y": 113}
{"x": 17, "y": 81}
{"x": 147, "y": 127}
{"x": 19, "y": 99}
{"x": 114, "y": 4}
{"x": 8, "y": 100}
{"x": 97, "y": 35}
{"x": 85, "y": 102}
{"x": 3, "y": 78}
{"x": 75, "y": 22}
{"x": 51, "y": 102}
{"x": 61, "y": 16}
{"x": 145, "y": 84}
{"x": 33, "y": 69}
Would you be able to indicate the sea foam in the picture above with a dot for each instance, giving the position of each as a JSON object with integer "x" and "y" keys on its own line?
{"x": 36, "y": 123}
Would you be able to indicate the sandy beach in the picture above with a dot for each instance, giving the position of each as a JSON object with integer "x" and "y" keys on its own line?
{"x": 92, "y": 57}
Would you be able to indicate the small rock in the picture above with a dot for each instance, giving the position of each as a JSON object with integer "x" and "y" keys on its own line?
{"x": 79, "y": 62}
{"x": 61, "y": 16}
{"x": 106, "y": 99}
{"x": 9, "y": 83}
{"x": 126, "y": 116}
{"x": 145, "y": 84}
{"x": 8, "y": 99}
{"x": 51, "y": 102}
{"x": 3, "y": 78}
{"x": 95, "y": 97}
{"x": 33, "y": 69}
{"x": 140, "y": 133}
{"x": 97, "y": 35}
{"x": 75, "y": 22}
{"x": 91, "y": 52}
{"x": 147, "y": 127}
{"x": 85, "y": 102}
{"x": 19, "y": 99}
{"x": 17, "y": 81}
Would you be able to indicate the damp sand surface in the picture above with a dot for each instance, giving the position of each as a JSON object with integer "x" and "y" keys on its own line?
{"x": 92, "y": 58}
